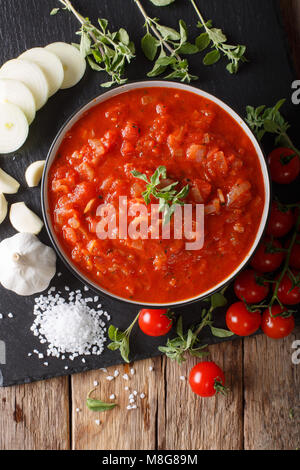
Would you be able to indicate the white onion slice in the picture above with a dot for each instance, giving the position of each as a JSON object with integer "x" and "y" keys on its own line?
{"x": 73, "y": 63}
{"x": 24, "y": 220}
{"x": 15, "y": 92}
{"x": 34, "y": 173}
{"x": 50, "y": 65}
{"x": 31, "y": 75}
{"x": 3, "y": 208}
{"x": 13, "y": 128}
{"x": 8, "y": 184}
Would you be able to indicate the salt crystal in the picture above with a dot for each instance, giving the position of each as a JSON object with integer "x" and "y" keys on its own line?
{"x": 131, "y": 400}
{"x": 10, "y": 315}
{"x": 125, "y": 377}
{"x": 116, "y": 373}
{"x": 1, "y": 316}
{"x": 112, "y": 397}
{"x": 150, "y": 368}
{"x": 132, "y": 371}
{"x": 126, "y": 388}
{"x": 97, "y": 421}
{"x": 135, "y": 393}
{"x": 95, "y": 383}
{"x": 182, "y": 377}
{"x": 77, "y": 410}
{"x": 142, "y": 396}
{"x": 110, "y": 378}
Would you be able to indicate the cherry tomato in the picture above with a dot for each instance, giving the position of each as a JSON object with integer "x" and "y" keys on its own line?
{"x": 205, "y": 379}
{"x": 280, "y": 222}
{"x": 248, "y": 287}
{"x": 284, "y": 165}
{"x": 155, "y": 322}
{"x": 285, "y": 294}
{"x": 295, "y": 253}
{"x": 242, "y": 322}
{"x": 277, "y": 327}
{"x": 266, "y": 259}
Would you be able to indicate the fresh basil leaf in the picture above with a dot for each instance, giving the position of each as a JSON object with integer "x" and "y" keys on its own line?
{"x": 220, "y": 333}
{"x": 98, "y": 405}
{"x": 212, "y": 57}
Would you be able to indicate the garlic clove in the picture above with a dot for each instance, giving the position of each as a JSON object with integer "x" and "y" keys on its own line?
{"x": 3, "y": 208}
{"x": 34, "y": 173}
{"x": 24, "y": 220}
{"x": 8, "y": 185}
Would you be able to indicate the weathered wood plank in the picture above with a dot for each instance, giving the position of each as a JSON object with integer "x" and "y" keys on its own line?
{"x": 35, "y": 416}
{"x": 120, "y": 428}
{"x": 272, "y": 394}
{"x": 189, "y": 422}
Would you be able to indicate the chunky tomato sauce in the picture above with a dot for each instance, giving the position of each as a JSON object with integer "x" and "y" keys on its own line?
{"x": 200, "y": 145}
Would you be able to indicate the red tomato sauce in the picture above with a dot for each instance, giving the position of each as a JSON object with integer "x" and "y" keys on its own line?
{"x": 200, "y": 145}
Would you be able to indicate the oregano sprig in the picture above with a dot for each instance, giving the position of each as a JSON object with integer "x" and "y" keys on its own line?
{"x": 263, "y": 120}
{"x": 120, "y": 339}
{"x": 177, "y": 347}
{"x": 105, "y": 51}
{"x": 168, "y": 196}
{"x": 165, "y": 45}
{"x": 217, "y": 40}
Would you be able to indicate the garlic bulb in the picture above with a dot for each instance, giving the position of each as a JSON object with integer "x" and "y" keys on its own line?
{"x": 27, "y": 265}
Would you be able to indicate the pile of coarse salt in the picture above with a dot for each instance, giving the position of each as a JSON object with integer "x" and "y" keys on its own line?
{"x": 70, "y": 327}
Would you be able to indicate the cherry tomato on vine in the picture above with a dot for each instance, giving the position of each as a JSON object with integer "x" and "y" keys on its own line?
{"x": 206, "y": 379}
{"x": 250, "y": 288}
{"x": 275, "y": 326}
{"x": 284, "y": 165}
{"x": 155, "y": 322}
{"x": 281, "y": 221}
{"x": 266, "y": 258}
{"x": 295, "y": 253}
{"x": 286, "y": 294}
{"x": 241, "y": 321}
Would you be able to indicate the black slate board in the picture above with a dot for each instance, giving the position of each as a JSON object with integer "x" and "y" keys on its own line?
{"x": 265, "y": 79}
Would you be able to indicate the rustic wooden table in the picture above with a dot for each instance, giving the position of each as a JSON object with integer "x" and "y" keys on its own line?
{"x": 261, "y": 412}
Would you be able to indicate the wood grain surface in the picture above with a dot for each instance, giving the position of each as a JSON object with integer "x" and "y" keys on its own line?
{"x": 261, "y": 412}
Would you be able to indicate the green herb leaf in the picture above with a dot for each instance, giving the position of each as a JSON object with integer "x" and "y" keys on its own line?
{"x": 212, "y": 57}
{"x": 149, "y": 46}
{"x": 220, "y": 333}
{"x": 162, "y": 3}
{"x": 218, "y": 300}
{"x": 187, "y": 49}
{"x": 54, "y": 11}
{"x": 168, "y": 33}
{"x": 202, "y": 41}
{"x": 98, "y": 405}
